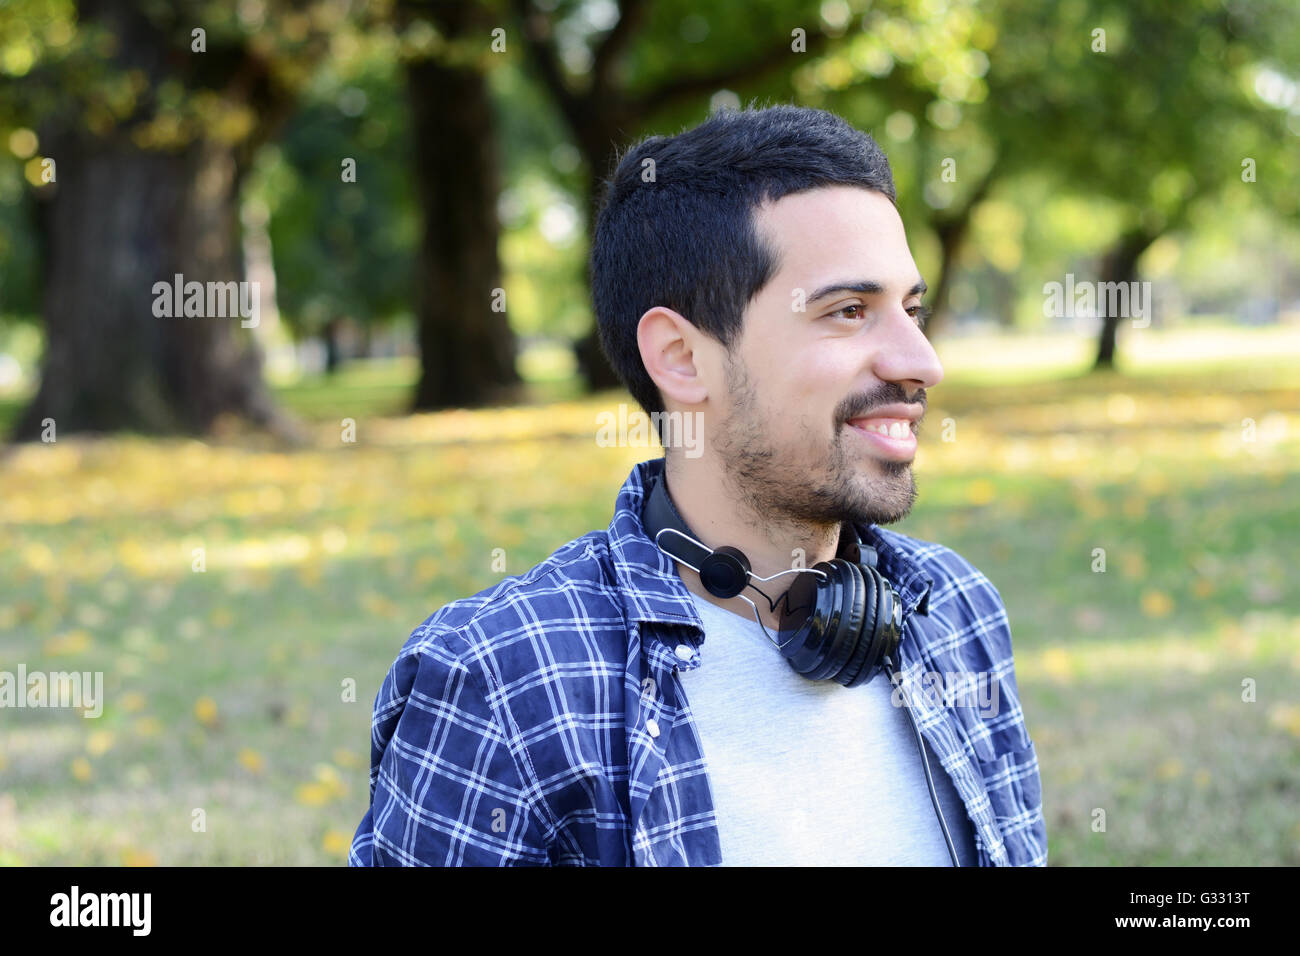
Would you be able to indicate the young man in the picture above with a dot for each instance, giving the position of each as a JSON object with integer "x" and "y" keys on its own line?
{"x": 613, "y": 707}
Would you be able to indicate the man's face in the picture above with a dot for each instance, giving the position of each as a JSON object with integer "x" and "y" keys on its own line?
{"x": 807, "y": 389}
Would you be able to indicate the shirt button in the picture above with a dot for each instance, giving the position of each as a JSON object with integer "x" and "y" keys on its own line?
{"x": 684, "y": 652}
{"x": 653, "y": 727}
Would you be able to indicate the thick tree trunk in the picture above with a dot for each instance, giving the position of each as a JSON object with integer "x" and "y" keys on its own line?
{"x": 121, "y": 220}
{"x": 1118, "y": 265}
{"x": 467, "y": 350}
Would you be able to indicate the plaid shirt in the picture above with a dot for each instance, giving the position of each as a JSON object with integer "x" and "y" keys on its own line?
{"x": 542, "y": 722}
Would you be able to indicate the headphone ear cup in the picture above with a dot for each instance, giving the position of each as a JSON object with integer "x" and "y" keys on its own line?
{"x": 840, "y": 645}
{"x": 866, "y": 655}
{"x": 822, "y": 601}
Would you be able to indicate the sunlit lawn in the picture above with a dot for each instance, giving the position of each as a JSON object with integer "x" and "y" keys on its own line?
{"x": 226, "y": 689}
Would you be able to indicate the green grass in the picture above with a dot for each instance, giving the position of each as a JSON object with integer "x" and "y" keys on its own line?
{"x": 225, "y": 689}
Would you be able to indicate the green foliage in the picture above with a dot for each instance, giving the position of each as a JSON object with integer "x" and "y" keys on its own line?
{"x": 343, "y": 248}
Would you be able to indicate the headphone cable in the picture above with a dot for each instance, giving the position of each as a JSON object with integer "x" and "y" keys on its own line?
{"x": 925, "y": 760}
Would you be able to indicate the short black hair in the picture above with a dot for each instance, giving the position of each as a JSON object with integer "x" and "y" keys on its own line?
{"x": 676, "y": 227}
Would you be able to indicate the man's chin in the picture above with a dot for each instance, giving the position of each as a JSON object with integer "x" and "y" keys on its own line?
{"x": 889, "y": 467}
{"x": 885, "y": 505}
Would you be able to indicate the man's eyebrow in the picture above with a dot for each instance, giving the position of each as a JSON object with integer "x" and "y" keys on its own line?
{"x": 863, "y": 286}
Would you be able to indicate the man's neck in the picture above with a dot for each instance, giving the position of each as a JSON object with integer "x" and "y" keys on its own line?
{"x": 716, "y": 518}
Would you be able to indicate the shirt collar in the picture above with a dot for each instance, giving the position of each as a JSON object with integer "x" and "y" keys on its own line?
{"x": 647, "y": 578}
{"x": 899, "y": 565}
{"x": 652, "y": 590}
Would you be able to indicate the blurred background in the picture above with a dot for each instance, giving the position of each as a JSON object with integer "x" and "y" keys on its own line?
{"x": 238, "y": 520}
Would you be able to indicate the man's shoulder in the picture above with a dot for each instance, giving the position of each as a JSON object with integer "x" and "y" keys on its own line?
{"x": 966, "y": 630}
{"x": 965, "y": 612}
{"x": 951, "y": 571}
{"x": 568, "y": 591}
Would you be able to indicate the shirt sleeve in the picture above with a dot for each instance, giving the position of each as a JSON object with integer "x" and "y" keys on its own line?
{"x": 1013, "y": 781}
{"x": 445, "y": 787}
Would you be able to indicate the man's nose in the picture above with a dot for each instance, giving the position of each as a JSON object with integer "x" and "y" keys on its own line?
{"x": 905, "y": 355}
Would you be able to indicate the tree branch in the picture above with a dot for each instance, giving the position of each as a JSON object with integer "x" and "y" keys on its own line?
{"x": 752, "y": 68}
{"x": 630, "y": 15}
{"x": 981, "y": 190}
{"x": 537, "y": 37}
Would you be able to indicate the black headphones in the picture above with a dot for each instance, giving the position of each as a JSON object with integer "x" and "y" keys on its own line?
{"x": 841, "y": 619}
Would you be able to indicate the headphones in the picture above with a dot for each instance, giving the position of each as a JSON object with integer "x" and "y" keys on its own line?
{"x": 841, "y": 620}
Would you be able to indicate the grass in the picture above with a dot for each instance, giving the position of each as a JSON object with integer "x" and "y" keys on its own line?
{"x": 230, "y": 691}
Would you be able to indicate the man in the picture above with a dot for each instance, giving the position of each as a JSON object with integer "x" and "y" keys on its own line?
{"x": 609, "y": 708}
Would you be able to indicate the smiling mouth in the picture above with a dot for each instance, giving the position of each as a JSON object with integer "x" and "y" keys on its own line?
{"x": 892, "y": 438}
{"x": 889, "y": 427}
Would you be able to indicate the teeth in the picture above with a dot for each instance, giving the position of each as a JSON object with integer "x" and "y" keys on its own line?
{"x": 890, "y": 429}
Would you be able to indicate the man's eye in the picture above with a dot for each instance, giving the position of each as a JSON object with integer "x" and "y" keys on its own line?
{"x": 854, "y": 312}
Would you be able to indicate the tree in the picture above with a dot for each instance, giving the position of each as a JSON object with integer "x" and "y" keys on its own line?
{"x": 467, "y": 350}
{"x": 1143, "y": 108}
{"x": 151, "y": 116}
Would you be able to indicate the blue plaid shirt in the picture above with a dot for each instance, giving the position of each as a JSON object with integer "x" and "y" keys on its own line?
{"x": 541, "y": 721}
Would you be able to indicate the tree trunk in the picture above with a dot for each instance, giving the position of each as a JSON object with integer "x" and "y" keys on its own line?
{"x": 951, "y": 235}
{"x": 1004, "y": 298}
{"x": 333, "y": 352}
{"x": 951, "y": 229}
{"x": 121, "y": 220}
{"x": 1119, "y": 265}
{"x": 467, "y": 350}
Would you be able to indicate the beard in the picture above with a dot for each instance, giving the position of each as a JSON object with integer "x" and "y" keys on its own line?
{"x": 799, "y": 484}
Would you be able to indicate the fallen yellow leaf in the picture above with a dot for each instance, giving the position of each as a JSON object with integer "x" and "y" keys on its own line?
{"x": 1156, "y": 603}
{"x": 205, "y": 710}
{"x": 336, "y": 843}
{"x": 251, "y": 760}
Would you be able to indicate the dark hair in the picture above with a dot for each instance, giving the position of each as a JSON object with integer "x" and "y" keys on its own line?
{"x": 676, "y": 229}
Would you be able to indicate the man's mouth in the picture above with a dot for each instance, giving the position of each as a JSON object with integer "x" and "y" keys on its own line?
{"x": 890, "y": 437}
{"x": 892, "y": 427}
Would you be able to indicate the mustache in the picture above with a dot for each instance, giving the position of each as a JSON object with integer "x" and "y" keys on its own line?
{"x": 890, "y": 393}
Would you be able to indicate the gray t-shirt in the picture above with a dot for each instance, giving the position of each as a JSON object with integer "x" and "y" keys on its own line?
{"x": 812, "y": 773}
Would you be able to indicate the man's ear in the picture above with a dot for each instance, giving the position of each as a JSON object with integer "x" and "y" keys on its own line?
{"x": 670, "y": 351}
